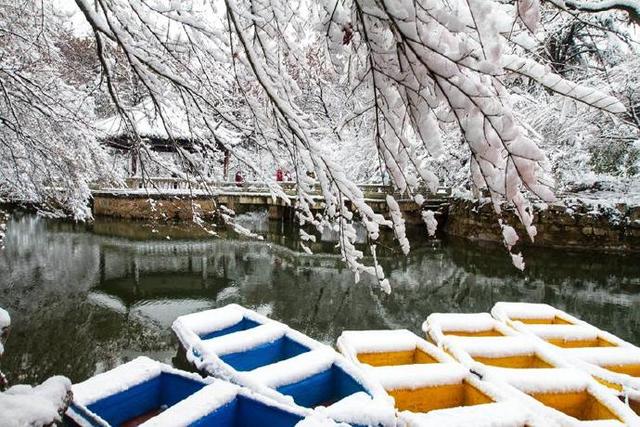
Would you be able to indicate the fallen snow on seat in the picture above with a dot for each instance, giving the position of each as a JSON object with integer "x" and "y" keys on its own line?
{"x": 465, "y": 322}
{"x": 378, "y": 341}
{"x": 207, "y": 321}
{"x": 504, "y": 311}
{"x": 116, "y": 380}
{"x": 24, "y": 405}
{"x": 294, "y": 369}
{"x": 602, "y": 356}
{"x": 417, "y": 376}
{"x": 359, "y": 408}
{"x": 196, "y": 406}
{"x": 493, "y": 346}
{"x": 545, "y": 380}
{"x": 242, "y": 340}
{"x": 352, "y": 343}
{"x": 501, "y": 414}
{"x": 438, "y": 326}
{"x": 567, "y": 332}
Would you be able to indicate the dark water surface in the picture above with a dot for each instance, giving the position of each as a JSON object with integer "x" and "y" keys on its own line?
{"x": 86, "y": 298}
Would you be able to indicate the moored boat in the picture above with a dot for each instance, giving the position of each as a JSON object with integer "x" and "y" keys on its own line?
{"x": 537, "y": 373}
{"x": 609, "y": 359}
{"x": 267, "y": 356}
{"x": 429, "y": 387}
{"x": 149, "y": 393}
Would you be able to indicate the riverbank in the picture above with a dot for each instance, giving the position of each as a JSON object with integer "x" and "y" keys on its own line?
{"x": 570, "y": 223}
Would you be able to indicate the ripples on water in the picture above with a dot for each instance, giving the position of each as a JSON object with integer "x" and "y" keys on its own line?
{"x": 86, "y": 298}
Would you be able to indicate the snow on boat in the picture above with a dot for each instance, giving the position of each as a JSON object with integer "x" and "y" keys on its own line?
{"x": 246, "y": 348}
{"x": 611, "y": 360}
{"x": 428, "y": 385}
{"x": 149, "y": 393}
{"x": 535, "y": 371}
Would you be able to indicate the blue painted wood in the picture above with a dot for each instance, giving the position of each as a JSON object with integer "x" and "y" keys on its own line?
{"x": 281, "y": 349}
{"x": 323, "y": 388}
{"x": 246, "y": 412}
{"x": 224, "y": 416}
{"x": 162, "y": 391}
{"x": 87, "y": 416}
{"x": 242, "y": 325}
{"x": 175, "y": 388}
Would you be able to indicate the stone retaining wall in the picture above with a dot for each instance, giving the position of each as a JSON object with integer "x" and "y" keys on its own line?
{"x": 146, "y": 208}
{"x": 567, "y": 224}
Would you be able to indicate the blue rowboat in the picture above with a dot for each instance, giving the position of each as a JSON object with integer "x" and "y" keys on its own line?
{"x": 149, "y": 393}
{"x": 249, "y": 349}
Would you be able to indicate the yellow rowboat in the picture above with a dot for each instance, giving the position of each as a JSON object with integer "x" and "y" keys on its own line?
{"x": 440, "y": 325}
{"x": 429, "y": 387}
{"x": 534, "y": 371}
{"x": 480, "y": 339}
{"x": 611, "y": 360}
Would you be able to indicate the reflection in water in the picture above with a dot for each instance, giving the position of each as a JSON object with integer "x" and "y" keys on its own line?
{"x": 86, "y": 298}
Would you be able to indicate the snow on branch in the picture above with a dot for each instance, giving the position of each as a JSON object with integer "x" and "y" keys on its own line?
{"x": 303, "y": 83}
{"x": 589, "y": 96}
{"x": 632, "y": 7}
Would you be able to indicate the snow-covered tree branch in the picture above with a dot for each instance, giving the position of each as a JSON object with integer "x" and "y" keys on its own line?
{"x": 398, "y": 91}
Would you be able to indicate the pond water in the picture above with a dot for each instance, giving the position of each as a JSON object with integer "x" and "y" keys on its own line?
{"x": 85, "y": 298}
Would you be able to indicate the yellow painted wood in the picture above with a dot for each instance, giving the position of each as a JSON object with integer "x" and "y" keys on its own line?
{"x": 598, "y": 342}
{"x": 396, "y": 358}
{"x": 554, "y": 321}
{"x": 427, "y": 399}
{"x": 630, "y": 369}
{"x": 614, "y": 386}
{"x": 525, "y": 361}
{"x": 485, "y": 333}
{"x": 580, "y": 405}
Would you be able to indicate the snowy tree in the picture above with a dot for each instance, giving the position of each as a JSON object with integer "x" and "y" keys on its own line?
{"x": 48, "y": 156}
{"x": 399, "y": 84}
